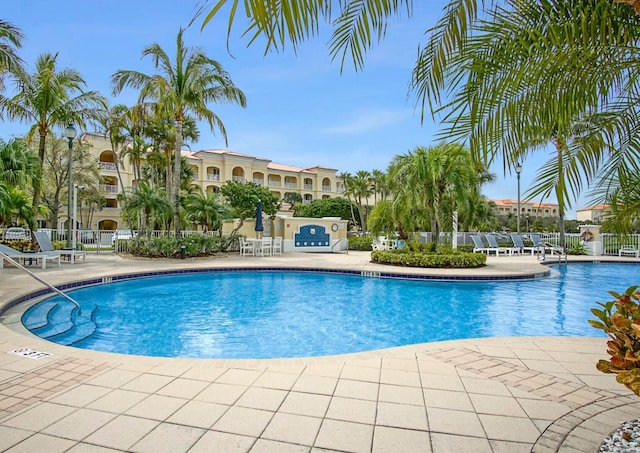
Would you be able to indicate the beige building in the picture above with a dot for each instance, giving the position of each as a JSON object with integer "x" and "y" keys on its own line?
{"x": 212, "y": 168}
{"x": 594, "y": 214}
{"x": 530, "y": 208}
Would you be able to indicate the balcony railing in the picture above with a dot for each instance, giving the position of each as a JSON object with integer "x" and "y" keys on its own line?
{"x": 107, "y": 166}
{"x": 109, "y": 188}
{"x": 326, "y": 188}
{"x": 308, "y": 186}
{"x": 258, "y": 181}
{"x": 291, "y": 185}
{"x": 213, "y": 177}
{"x": 274, "y": 183}
{"x": 238, "y": 178}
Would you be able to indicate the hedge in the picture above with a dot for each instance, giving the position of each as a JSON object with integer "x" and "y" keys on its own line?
{"x": 455, "y": 260}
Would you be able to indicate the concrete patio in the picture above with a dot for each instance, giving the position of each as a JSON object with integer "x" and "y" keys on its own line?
{"x": 515, "y": 394}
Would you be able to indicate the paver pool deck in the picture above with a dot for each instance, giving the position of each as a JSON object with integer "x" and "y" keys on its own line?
{"x": 515, "y": 394}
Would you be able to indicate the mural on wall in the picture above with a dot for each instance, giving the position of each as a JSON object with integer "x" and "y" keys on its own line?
{"x": 312, "y": 236}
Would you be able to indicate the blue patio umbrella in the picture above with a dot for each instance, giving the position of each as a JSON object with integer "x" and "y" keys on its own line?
{"x": 259, "y": 228}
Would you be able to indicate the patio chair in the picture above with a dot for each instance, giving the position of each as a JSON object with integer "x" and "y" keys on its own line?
{"x": 493, "y": 244}
{"x": 246, "y": 247}
{"x": 263, "y": 246}
{"x": 276, "y": 249}
{"x": 519, "y": 243}
{"x": 480, "y": 247}
{"x": 18, "y": 255}
{"x": 46, "y": 247}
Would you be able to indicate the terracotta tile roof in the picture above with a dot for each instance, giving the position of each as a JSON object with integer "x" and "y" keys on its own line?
{"x": 598, "y": 207}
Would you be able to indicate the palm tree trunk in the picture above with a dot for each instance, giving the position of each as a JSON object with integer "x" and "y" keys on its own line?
{"x": 37, "y": 180}
{"x": 176, "y": 178}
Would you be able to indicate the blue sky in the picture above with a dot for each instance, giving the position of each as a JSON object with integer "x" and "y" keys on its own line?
{"x": 300, "y": 111}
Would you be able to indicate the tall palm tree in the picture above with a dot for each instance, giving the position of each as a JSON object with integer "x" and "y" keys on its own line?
{"x": 361, "y": 189}
{"x": 10, "y": 41}
{"x": 113, "y": 125}
{"x": 47, "y": 99}
{"x": 186, "y": 85}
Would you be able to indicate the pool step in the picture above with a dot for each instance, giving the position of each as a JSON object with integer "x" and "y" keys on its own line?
{"x": 63, "y": 324}
{"x": 38, "y": 316}
{"x": 83, "y": 327}
{"x": 59, "y": 320}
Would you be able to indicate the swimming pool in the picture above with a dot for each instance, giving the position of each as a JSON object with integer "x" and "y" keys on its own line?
{"x": 293, "y": 314}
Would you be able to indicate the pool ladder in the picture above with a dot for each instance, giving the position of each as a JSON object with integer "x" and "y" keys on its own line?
{"x": 556, "y": 250}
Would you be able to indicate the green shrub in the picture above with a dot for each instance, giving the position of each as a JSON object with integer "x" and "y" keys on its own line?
{"x": 169, "y": 246}
{"x": 437, "y": 260}
{"x": 360, "y": 243}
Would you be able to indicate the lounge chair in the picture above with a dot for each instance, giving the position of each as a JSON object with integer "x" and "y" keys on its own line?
{"x": 493, "y": 244}
{"x": 480, "y": 247}
{"x": 18, "y": 255}
{"x": 519, "y": 243}
{"x": 47, "y": 248}
{"x": 628, "y": 250}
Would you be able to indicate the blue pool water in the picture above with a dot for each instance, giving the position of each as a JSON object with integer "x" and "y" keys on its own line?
{"x": 289, "y": 314}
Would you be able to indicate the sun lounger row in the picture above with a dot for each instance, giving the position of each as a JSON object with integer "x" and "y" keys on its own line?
{"x": 518, "y": 246}
{"x": 26, "y": 257}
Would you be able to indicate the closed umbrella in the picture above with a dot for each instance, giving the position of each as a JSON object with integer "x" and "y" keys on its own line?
{"x": 259, "y": 228}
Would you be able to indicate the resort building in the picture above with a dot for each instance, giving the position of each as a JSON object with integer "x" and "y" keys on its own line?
{"x": 530, "y": 208}
{"x": 211, "y": 168}
{"x": 593, "y": 214}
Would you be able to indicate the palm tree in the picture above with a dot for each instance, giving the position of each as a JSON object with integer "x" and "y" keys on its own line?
{"x": 48, "y": 99}
{"x": 527, "y": 72}
{"x": 113, "y": 125}
{"x": 149, "y": 201}
{"x": 361, "y": 189}
{"x": 10, "y": 40}
{"x": 434, "y": 180}
{"x": 188, "y": 84}
{"x": 205, "y": 209}
{"x": 17, "y": 163}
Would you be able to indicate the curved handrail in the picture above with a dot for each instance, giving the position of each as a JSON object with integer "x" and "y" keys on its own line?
{"x": 49, "y": 285}
{"x": 339, "y": 241}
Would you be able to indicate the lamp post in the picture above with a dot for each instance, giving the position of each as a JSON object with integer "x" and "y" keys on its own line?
{"x": 70, "y": 133}
{"x": 75, "y": 213}
{"x": 518, "y": 171}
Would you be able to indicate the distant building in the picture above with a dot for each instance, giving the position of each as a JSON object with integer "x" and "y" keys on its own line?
{"x": 530, "y": 208}
{"x": 212, "y": 168}
{"x": 594, "y": 214}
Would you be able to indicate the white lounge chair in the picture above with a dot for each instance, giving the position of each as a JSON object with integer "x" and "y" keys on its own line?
{"x": 47, "y": 248}
{"x": 628, "y": 250}
{"x": 480, "y": 247}
{"x": 519, "y": 243}
{"x": 17, "y": 255}
{"x": 493, "y": 244}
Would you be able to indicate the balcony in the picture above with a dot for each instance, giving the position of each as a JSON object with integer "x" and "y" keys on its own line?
{"x": 109, "y": 188}
{"x": 238, "y": 178}
{"x": 213, "y": 177}
{"x": 258, "y": 181}
{"x": 308, "y": 187}
{"x": 326, "y": 188}
{"x": 274, "y": 183}
{"x": 107, "y": 166}
{"x": 290, "y": 185}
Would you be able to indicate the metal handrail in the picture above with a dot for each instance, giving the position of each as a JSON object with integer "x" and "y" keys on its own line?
{"x": 339, "y": 242}
{"x": 49, "y": 285}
